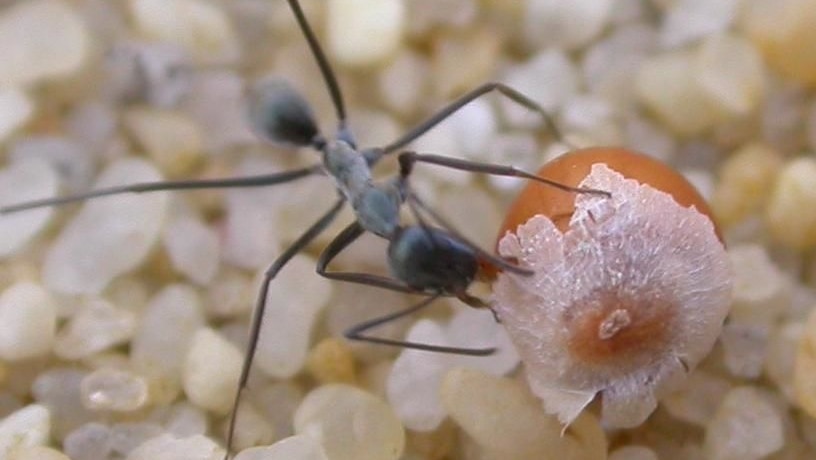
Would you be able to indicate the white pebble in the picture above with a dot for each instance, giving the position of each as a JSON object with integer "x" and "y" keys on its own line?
{"x": 251, "y": 428}
{"x": 364, "y": 32}
{"x": 443, "y": 138}
{"x": 689, "y": 20}
{"x": 761, "y": 290}
{"x": 215, "y": 102}
{"x": 15, "y": 111}
{"x": 746, "y": 426}
{"x": 300, "y": 447}
{"x": 250, "y": 234}
{"x": 294, "y": 300}
{"x": 413, "y": 384}
{"x": 201, "y": 27}
{"x": 402, "y": 83}
{"x": 170, "y": 138}
{"x": 211, "y": 370}
{"x": 698, "y": 398}
{"x": 568, "y": 25}
{"x": 113, "y": 390}
{"x": 781, "y": 358}
{"x": 88, "y": 442}
{"x": 415, "y": 378}
{"x": 98, "y": 326}
{"x": 745, "y": 348}
{"x": 22, "y": 181}
{"x": 552, "y": 66}
{"x": 182, "y": 419}
{"x": 69, "y": 159}
{"x": 105, "y": 240}
{"x": 666, "y": 85}
{"x": 29, "y": 426}
{"x": 610, "y": 65}
{"x": 693, "y": 91}
{"x": 374, "y": 434}
{"x": 193, "y": 248}
{"x": 163, "y": 338}
{"x": 731, "y": 72}
{"x": 28, "y": 322}
{"x": 127, "y": 436}
{"x": 58, "y": 390}
{"x": 40, "y": 40}
{"x": 479, "y": 403}
{"x": 167, "y": 447}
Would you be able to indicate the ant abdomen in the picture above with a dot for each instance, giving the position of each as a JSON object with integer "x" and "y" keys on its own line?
{"x": 280, "y": 114}
{"x": 430, "y": 259}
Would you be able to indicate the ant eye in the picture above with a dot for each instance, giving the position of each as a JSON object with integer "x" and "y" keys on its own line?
{"x": 629, "y": 291}
{"x": 280, "y": 114}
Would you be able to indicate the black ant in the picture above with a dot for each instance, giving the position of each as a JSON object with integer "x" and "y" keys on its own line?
{"x": 426, "y": 260}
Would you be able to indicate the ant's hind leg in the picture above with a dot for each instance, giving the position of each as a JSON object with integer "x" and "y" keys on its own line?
{"x": 356, "y": 333}
{"x": 260, "y": 306}
{"x": 454, "y": 106}
{"x": 341, "y": 242}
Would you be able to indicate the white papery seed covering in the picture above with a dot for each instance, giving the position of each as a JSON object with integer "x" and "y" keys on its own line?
{"x": 635, "y": 291}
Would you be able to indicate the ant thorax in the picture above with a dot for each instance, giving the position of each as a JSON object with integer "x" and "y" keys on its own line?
{"x": 347, "y": 167}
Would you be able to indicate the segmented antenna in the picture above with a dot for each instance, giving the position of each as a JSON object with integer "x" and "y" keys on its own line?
{"x": 322, "y": 62}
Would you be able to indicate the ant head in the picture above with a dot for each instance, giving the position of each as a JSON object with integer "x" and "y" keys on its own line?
{"x": 279, "y": 114}
{"x": 431, "y": 259}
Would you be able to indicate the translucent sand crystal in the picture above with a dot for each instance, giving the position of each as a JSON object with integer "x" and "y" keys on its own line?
{"x": 41, "y": 40}
{"x": 375, "y": 433}
{"x": 784, "y": 31}
{"x": 614, "y": 279}
{"x": 745, "y": 178}
{"x": 16, "y": 108}
{"x": 21, "y": 181}
{"x": 746, "y": 426}
{"x": 791, "y": 214}
{"x": 171, "y": 139}
{"x": 353, "y": 23}
{"x": 210, "y": 372}
{"x": 301, "y": 447}
{"x": 166, "y": 447}
{"x": 414, "y": 381}
{"x": 28, "y": 321}
{"x": 104, "y": 240}
{"x": 163, "y": 338}
{"x": 29, "y": 426}
{"x": 694, "y": 90}
{"x": 202, "y": 27}
{"x": 480, "y": 402}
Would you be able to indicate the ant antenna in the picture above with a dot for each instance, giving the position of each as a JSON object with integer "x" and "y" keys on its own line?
{"x": 322, "y": 62}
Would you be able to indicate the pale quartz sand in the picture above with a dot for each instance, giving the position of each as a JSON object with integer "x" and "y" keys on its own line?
{"x": 123, "y": 321}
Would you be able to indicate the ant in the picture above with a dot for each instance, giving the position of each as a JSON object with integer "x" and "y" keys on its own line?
{"x": 423, "y": 259}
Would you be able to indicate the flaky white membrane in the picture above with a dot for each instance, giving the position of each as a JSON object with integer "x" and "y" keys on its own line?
{"x": 622, "y": 305}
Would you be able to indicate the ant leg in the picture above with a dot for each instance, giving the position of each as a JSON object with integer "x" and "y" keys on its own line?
{"x": 345, "y": 238}
{"x": 356, "y": 333}
{"x": 408, "y": 159}
{"x": 260, "y": 306}
{"x": 450, "y": 109}
{"x": 249, "y": 181}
